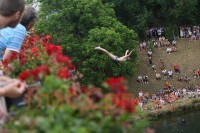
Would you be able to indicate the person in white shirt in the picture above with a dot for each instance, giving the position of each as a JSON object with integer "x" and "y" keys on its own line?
{"x": 158, "y": 76}
{"x": 170, "y": 74}
{"x": 169, "y": 50}
{"x": 164, "y": 72}
{"x": 174, "y": 42}
{"x": 149, "y": 53}
{"x": 140, "y": 93}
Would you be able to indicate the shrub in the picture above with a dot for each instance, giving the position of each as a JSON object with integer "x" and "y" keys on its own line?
{"x": 61, "y": 103}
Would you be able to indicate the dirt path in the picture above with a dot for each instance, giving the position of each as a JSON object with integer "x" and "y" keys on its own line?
{"x": 187, "y": 57}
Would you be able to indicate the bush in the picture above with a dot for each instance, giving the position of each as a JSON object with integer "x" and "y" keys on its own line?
{"x": 61, "y": 103}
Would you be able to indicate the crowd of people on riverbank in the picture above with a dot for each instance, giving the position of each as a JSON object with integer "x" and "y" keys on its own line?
{"x": 155, "y": 32}
{"x": 188, "y": 32}
{"x": 166, "y": 96}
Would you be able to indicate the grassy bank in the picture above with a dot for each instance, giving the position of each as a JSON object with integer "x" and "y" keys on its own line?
{"x": 186, "y": 57}
{"x": 180, "y": 106}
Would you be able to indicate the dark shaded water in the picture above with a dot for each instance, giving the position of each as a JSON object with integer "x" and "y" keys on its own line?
{"x": 175, "y": 124}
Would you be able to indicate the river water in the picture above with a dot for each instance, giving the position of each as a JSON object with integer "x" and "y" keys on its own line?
{"x": 184, "y": 123}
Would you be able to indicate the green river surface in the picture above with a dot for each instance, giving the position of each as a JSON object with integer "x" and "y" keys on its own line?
{"x": 184, "y": 123}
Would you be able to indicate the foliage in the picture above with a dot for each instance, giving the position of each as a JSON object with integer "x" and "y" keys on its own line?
{"x": 81, "y": 25}
{"x": 142, "y": 14}
{"x": 61, "y": 103}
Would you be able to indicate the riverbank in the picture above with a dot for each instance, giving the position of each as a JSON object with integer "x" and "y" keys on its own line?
{"x": 180, "y": 106}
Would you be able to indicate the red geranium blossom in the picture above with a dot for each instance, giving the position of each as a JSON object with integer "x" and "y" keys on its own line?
{"x": 40, "y": 70}
{"x": 63, "y": 59}
{"x": 34, "y": 50}
{"x": 47, "y": 38}
{"x": 34, "y": 73}
{"x": 31, "y": 40}
{"x": 117, "y": 84}
{"x": 53, "y": 49}
{"x": 63, "y": 73}
{"x": 124, "y": 101}
{"x": 71, "y": 67}
{"x": 25, "y": 74}
{"x": 23, "y": 61}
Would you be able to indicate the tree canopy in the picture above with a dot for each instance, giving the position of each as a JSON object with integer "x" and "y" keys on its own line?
{"x": 142, "y": 14}
{"x": 81, "y": 25}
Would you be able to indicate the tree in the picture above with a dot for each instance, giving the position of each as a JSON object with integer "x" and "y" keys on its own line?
{"x": 142, "y": 14}
{"x": 81, "y": 25}
{"x": 186, "y": 12}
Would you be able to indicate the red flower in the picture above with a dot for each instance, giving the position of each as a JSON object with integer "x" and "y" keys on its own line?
{"x": 47, "y": 38}
{"x": 63, "y": 73}
{"x": 34, "y": 73}
{"x": 124, "y": 101}
{"x": 71, "y": 91}
{"x": 117, "y": 84}
{"x": 34, "y": 50}
{"x": 14, "y": 55}
{"x": 63, "y": 59}
{"x": 53, "y": 49}
{"x": 40, "y": 70}
{"x": 130, "y": 105}
{"x": 113, "y": 81}
{"x": 23, "y": 61}
{"x": 25, "y": 74}
{"x": 71, "y": 67}
{"x": 83, "y": 89}
{"x": 5, "y": 63}
{"x": 30, "y": 41}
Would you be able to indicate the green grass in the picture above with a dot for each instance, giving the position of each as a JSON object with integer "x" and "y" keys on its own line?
{"x": 187, "y": 57}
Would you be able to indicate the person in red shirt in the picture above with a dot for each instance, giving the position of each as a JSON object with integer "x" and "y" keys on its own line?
{"x": 198, "y": 72}
{"x": 177, "y": 69}
{"x": 167, "y": 85}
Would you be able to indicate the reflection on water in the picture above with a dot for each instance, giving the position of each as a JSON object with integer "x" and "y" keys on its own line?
{"x": 186, "y": 123}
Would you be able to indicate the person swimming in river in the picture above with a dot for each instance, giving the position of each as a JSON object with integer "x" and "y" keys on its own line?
{"x": 114, "y": 57}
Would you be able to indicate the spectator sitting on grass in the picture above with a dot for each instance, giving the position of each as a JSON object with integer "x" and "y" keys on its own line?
{"x": 169, "y": 50}
{"x": 174, "y": 49}
{"x": 158, "y": 76}
{"x": 170, "y": 74}
{"x": 167, "y": 85}
{"x": 145, "y": 79}
{"x": 154, "y": 67}
{"x": 176, "y": 69}
{"x": 140, "y": 94}
{"x": 186, "y": 79}
{"x": 198, "y": 72}
{"x": 180, "y": 78}
{"x": 164, "y": 72}
{"x": 139, "y": 79}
